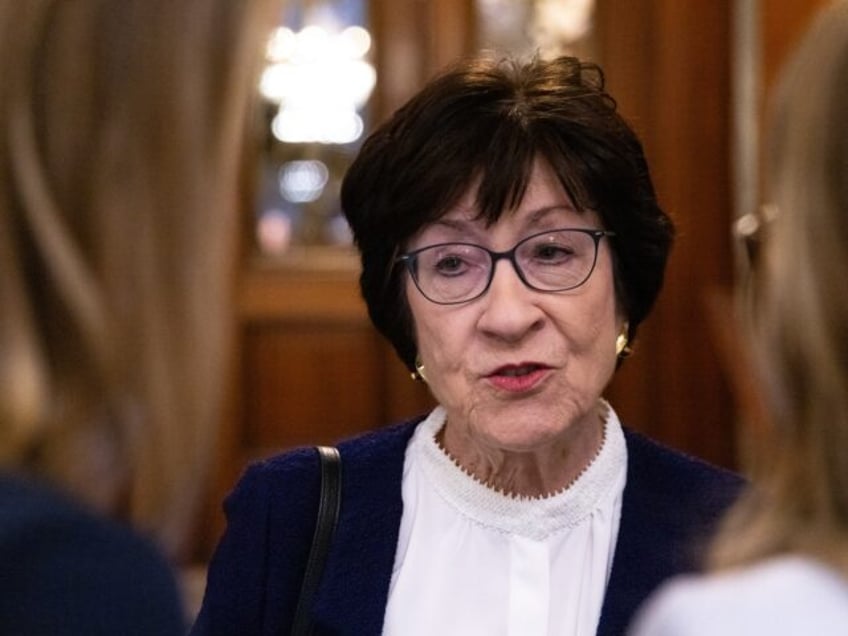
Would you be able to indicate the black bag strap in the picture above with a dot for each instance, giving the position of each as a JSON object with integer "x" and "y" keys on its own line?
{"x": 328, "y": 514}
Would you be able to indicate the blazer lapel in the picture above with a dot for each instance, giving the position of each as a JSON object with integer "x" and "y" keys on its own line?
{"x": 670, "y": 506}
{"x": 643, "y": 554}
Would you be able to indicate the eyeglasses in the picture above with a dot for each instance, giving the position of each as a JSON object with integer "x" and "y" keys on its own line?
{"x": 553, "y": 261}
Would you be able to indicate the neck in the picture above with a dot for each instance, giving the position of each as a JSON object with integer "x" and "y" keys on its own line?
{"x": 533, "y": 473}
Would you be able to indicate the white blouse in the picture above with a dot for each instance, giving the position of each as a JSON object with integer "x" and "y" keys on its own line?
{"x": 472, "y": 560}
{"x": 782, "y": 596}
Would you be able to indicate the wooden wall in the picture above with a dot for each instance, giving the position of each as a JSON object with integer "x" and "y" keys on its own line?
{"x": 310, "y": 368}
{"x": 671, "y": 66}
{"x": 668, "y": 65}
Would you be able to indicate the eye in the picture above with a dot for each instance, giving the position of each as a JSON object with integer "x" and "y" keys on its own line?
{"x": 451, "y": 265}
{"x": 552, "y": 253}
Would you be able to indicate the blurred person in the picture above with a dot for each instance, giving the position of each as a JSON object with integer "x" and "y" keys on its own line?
{"x": 780, "y": 562}
{"x": 511, "y": 245}
{"x": 120, "y": 145}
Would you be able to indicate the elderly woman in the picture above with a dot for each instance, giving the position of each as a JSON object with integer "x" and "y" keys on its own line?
{"x": 511, "y": 245}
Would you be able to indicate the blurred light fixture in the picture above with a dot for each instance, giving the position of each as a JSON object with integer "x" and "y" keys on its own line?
{"x": 557, "y": 25}
{"x": 525, "y": 27}
{"x": 320, "y": 79}
{"x": 303, "y": 180}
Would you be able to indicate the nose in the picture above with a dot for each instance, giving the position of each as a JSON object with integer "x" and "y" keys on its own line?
{"x": 510, "y": 309}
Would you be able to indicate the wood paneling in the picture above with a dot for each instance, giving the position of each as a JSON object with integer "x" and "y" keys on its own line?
{"x": 309, "y": 369}
{"x": 667, "y": 64}
{"x": 310, "y": 382}
{"x": 414, "y": 39}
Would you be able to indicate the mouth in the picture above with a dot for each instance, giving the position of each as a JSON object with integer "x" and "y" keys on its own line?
{"x": 516, "y": 371}
{"x": 518, "y": 378}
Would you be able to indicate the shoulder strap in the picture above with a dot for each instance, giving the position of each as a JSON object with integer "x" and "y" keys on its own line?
{"x": 328, "y": 513}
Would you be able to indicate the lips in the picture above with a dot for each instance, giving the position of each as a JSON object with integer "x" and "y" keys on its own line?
{"x": 517, "y": 371}
{"x": 518, "y": 378}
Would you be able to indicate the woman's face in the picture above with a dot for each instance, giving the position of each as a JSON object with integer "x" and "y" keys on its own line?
{"x": 518, "y": 369}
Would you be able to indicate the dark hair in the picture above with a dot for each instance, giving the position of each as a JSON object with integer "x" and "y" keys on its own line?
{"x": 488, "y": 119}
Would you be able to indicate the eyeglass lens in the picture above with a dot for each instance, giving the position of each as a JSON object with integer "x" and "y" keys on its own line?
{"x": 551, "y": 261}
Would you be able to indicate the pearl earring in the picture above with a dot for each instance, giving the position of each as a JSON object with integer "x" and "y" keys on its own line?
{"x": 418, "y": 374}
{"x": 621, "y": 342}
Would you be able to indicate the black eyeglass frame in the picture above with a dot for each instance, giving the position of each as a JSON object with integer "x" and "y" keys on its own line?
{"x": 409, "y": 258}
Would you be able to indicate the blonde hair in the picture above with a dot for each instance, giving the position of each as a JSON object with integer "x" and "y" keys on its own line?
{"x": 120, "y": 147}
{"x": 799, "y": 318}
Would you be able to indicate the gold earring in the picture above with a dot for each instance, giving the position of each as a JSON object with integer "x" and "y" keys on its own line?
{"x": 621, "y": 348}
{"x": 418, "y": 374}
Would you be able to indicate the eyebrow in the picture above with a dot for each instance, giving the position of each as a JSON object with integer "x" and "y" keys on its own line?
{"x": 533, "y": 220}
{"x": 533, "y": 217}
{"x": 460, "y": 225}
{"x": 539, "y": 214}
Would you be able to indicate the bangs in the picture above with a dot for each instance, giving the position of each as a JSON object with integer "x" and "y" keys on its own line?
{"x": 503, "y": 170}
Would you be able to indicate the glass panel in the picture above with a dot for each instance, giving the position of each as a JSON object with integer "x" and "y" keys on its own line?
{"x": 316, "y": 85}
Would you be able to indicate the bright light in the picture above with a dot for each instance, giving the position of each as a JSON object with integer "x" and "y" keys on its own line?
{"x": 323, "y": 125}
{"x": 355, "y": 41}
{"x": 313, "y": 43}
{"x": 303, "y": 181}
{"x": 281, "y": 45}
{"x": 359, "y": 81}
{"x": 320, "y": 80}
{"x": 275, "y": 81}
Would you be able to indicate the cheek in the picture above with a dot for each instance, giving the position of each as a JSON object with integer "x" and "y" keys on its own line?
{"x": 593, "y": 324}
{"x": 424, "y": 319}
{"x": 605, "y": 312}
{"x": 417, "y": 314}
{"x": 438, "y": 334}
{"x": 591, "y": 338}
{"x": 433, "y": 340}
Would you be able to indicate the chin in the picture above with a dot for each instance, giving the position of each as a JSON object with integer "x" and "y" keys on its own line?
{"x": 527, "y": 426}
{"x": 521, "y": 433}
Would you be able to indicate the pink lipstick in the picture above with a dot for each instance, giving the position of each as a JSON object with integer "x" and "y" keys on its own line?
{"x": 518, "y": 378}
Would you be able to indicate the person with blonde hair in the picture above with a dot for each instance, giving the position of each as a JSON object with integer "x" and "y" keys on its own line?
{"x": 121, "y": 132}
{"x": 781, "y": 559}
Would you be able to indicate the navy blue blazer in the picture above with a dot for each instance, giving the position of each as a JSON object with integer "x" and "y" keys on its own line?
{"x": 670, "y": 504}
{"x": 66, "y": 572}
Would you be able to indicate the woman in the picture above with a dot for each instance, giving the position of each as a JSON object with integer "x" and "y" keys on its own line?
{"x": 511, "y": 245}
{"x": 780, "y": 564}
{"x": 122, "y": 127}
